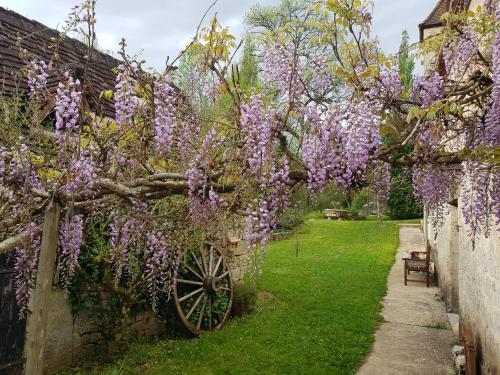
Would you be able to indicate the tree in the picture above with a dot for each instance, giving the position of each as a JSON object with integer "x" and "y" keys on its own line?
{"x": 328, "y": 97}
{"x": 402, "y": 202}
{"x": 406, "y": 63}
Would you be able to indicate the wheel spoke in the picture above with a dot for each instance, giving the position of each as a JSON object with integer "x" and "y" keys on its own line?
{"x": 217, "y": 265}
{"x": 194, "y": 292}
{"x": 209, "y": 272}
{"x": 200, "y": 318}
{"x": 209, "y": 313}
{"x": 194, "y": 306}
{"x": 224, "y": 274}
{"x": 205, "y": 262}
{"x": 198, "y": 263}
{"x": 194, "y": 272}
{"x": 190, "y": 282}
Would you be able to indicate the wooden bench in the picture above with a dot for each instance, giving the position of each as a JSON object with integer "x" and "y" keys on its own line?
{"x": 333, "y": 214}
{"x": 419, "y": 265}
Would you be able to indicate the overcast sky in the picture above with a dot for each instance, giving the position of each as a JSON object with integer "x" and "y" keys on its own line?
{"x": 161, "y": 28}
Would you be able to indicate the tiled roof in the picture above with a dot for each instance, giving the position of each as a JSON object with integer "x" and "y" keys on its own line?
{"x": 443, "y": 6}
{"x": 20, "y": 33}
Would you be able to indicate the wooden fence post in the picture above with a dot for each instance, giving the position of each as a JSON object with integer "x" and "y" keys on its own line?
{"x": 36, "y": 332}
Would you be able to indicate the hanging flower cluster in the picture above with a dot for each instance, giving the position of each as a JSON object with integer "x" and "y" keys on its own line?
{"x": 322, "y": 147}
{"x": 432, "y": 187}
{"x": 81, "y": 175}
{"x": 282, "y": 68}
{"x": 67, "y": 108}
{"x": 22, "y": 169}
{"x": 71, "y": 238}
{"x": 459, "y": 53}
{"x": 26, "y": 262}
{"x": 135, "y": 238}
{"x": 361, "y": 136}
{"x": 37, "y": 78}
{"x": 262, "y": 214}
{"x": 127, "y": 230}
{"x": 126, "y": 100}
{"x": 388, "y": 86}
{"x": 164, "y": 102}
{"x": 381, "y": 181}
{"x": 2, "y": 169}
{"x": 428, "y": 89}
{"x": 259, "y": 149}
{"x": 480, "y": 196}
{"x": 202, "y": 203}
{"x": 161, "y": 263}
{"x": 188, "y": 132}
{"x": 321, "y": 77}
{"x": 492, "y": 131}
{"x": 258, "y": 137}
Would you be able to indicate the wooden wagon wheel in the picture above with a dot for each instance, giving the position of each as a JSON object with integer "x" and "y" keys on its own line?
{"x": 203, "y": 292}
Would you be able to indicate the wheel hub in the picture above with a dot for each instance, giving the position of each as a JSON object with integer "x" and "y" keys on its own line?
{"x": 212, "y": 284}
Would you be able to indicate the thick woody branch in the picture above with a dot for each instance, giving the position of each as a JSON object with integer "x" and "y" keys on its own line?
{"x": 12, "y": 242}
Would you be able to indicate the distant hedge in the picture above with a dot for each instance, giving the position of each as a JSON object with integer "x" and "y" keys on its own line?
{"x": 402, "y": 203}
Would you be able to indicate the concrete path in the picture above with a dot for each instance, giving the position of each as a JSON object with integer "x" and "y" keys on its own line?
{"x": 415, "y": 338}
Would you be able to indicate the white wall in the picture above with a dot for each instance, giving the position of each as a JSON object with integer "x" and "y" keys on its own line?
{"x": 469, "y": 277}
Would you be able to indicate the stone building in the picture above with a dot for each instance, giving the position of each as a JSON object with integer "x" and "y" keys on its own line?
{"x": 468, "y": 270}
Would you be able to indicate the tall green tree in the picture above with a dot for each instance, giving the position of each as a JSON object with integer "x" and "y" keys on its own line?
{"x": 406, "y": 63}
{"x": 249, "y": 67}
{"x": 402, "y": 203}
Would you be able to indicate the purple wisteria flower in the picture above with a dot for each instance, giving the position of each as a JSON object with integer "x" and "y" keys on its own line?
{"x": 126, "y": 100}
{"x": 71, "y": 238}
{"x": 25, "y": 264}
{"x": 428, "y": 89}
{"x": 201, "y": 204}
{"x": 81, "y": 175}
{"x": 37, "y": 78}
{"x": 164, "y": 102}
{"x": 258, "y": 136}
{"x": 459, "y": 53}
{"x": 432, "y": 186}
{"x": 492, "y": 133}
{"x": 381, "y": 181}
{"x": 282, "y": 68}
{"x": 67, "y": 108}
{"x": 2, "y": 169}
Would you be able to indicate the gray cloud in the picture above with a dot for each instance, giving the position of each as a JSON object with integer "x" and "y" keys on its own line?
{"x": 161, "y": 28}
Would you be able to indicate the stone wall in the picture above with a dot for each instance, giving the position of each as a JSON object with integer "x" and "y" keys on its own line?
{"x": 230, "y": 240}
{"x": 71, "y": 336}
{"x": 445, "y": 257}
{"x": 469, "y": 278}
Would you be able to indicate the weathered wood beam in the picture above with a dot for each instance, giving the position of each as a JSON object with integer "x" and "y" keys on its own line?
{"x": 36, "y": 332}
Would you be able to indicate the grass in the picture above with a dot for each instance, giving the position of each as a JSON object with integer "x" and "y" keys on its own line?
{"x": 317, "y": 314}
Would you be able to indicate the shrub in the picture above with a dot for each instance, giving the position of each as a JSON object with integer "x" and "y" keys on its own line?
{"x": 291, "y": 218}
{"x": 360, "y": 199}
{"x": 244, "y": 298}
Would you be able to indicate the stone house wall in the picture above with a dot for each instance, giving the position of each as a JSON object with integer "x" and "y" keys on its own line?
{"x": 469, "y": 270}
{"x": 469, "y": 278}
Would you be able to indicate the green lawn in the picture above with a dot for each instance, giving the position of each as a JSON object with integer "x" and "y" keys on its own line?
{"x": 318, "y": 316}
